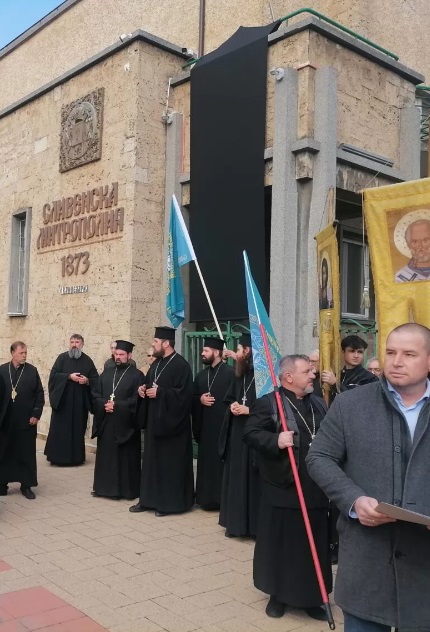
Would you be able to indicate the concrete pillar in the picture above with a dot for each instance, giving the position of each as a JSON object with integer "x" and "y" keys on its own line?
{"x": 283, "y": 253}
{"x": 410, "y": 145}
{"x": 314, "y": 218}
{"x": 174, "y": 124}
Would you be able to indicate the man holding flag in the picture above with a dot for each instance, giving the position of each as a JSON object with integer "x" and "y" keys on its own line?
{"x": 283, "y": 565}
{"x": 281, "y": 426}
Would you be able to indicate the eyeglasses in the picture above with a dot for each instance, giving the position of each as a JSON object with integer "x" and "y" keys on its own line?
{"x": 149, "y": 355}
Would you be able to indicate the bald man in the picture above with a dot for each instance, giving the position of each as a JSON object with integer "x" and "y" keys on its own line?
{"x": 373, "y": 446}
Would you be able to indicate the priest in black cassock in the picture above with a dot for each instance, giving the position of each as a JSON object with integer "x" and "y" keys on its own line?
{"x": 70, "y": 382}
{"x": 209, "y": 407}
{"x": 21, "y": 406}
{"x": 283, "y": 566}
{"x": 117, "y": 468}
{"x": 167, "y": 483}
{"x": 240, "y": 484}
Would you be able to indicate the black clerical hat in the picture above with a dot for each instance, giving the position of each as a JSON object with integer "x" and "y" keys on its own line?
{"x": 245, "y": 340}
{"x": 214, "y": 343}
{"x": 124, "y": 345}
{"x": 165, "y": 333}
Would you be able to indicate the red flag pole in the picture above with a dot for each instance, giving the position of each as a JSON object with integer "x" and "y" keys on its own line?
{"x": 303, "y": 507}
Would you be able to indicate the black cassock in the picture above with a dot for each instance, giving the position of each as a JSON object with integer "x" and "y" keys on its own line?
{"x": 207, "y": 423}
{"x": 70, "y": 402}
{"x": 283, "y": 565}
{"x": 117, "y": 468}
{"x": 240, "y": 492}
{"x": 17, "y": 437}
{"x": 167, "y": 483}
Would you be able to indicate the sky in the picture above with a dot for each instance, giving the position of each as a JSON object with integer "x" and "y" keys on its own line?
{"x": 18, "y": 15}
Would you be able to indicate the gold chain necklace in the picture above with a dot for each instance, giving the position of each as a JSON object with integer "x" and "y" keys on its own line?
{"x": 14, "y": 392}
{"x": 311, "y": 432}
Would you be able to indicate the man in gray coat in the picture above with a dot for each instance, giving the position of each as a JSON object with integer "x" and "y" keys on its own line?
{"x": 374, "y": 446}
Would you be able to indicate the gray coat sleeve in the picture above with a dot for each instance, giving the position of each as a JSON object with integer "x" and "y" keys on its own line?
{"x": 326, "y": 457}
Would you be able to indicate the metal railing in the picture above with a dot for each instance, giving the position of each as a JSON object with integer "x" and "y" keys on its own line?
{"x": 193, "y": 341}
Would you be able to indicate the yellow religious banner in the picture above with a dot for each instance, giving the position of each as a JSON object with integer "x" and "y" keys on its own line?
{"x": 328, "y": 299}
{"x": 398, "y": 229}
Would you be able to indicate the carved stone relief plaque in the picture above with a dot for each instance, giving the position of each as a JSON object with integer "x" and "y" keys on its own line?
{"x": 81, "y": 131}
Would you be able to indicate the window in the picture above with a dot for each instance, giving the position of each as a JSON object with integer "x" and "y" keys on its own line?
{"x": 355, "y": 268}
{"x": 19, "y": 263}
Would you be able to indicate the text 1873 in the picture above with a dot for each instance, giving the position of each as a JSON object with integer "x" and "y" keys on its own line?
{"x": 75, "y": 264}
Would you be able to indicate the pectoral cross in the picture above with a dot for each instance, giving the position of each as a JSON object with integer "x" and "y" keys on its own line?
{"x": 112, "y": 397}
{"x": 13, "y": 394}
{"x": 244, "y": 400}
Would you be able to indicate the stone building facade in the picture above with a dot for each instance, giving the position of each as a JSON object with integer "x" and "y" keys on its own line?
{"x": 94, "y": 142}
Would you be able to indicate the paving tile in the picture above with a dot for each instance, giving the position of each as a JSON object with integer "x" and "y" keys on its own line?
{"x": 139, "y": 625}
{"x": 4, "y": 616}
{"x": 171, "y": 622}
{"x": 12, "y": 626}
{"x": 124, "y": 572}
{"x": 51, "y": 617}
{"x": 29, "y": 601}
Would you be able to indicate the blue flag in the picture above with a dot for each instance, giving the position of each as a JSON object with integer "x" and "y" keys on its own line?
{"x": 179, "y": 252}
{"x": 258, "y": 316}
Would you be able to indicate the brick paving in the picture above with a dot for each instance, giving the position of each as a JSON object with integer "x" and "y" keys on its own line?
{"x": 82, "y": 564}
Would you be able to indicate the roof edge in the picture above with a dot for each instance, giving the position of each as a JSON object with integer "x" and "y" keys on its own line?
{"x": 139, "y": 35}
{"x": 38, "y": 26}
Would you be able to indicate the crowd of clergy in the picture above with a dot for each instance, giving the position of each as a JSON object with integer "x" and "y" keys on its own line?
{"x": 239, "y": 470}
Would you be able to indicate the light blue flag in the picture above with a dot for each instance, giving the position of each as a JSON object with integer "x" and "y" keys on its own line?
{"x": 179, "y": 252}
{"x": 258, "y": 316}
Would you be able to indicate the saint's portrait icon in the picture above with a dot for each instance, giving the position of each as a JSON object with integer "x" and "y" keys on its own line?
{"x": 412, "y": 239}
{"x": 325, "y": 283}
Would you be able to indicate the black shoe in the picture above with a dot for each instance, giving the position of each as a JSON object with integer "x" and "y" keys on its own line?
{"x": 28, "y": 493}
{"x": 160, "y": 514}
{"x": 210, "y": 507}
{"x": 95, "y": 494}
{"x": 137, "y": 508}
{"x": 229, "y": 535}
{"x": 275, "y": 608}
{"x": 317, "y": 613}
{"x": 3, "y": 490}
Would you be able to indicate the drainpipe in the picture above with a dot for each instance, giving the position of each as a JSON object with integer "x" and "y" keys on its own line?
{"x": 202, "y": 11}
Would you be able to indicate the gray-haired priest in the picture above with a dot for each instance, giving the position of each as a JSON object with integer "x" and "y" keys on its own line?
{"x": 21, "y": 405}
{"x": 167, "y": 483}
{"x": 283, "y": 566}
{"x": 117, "y": 468}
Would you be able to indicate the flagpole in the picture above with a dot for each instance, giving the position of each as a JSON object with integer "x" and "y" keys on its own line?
{"x": 199, "y": 272}
{"x": 303, "y": 507}
{"x": 297, "y": 482}
{"x": 194, "y": 258}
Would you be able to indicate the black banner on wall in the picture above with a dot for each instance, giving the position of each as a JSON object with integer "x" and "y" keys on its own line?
{"x": 227, "y": 215}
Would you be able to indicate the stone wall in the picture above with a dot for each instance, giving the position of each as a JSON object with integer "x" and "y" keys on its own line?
{"x": 91, "y": 25}
{"x": 369, "y": 96}
{"x": 124, "y": 296}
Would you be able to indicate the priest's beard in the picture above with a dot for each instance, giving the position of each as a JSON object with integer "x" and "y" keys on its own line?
{"x": 120, "y": 363}
{"x": 243, "y": 365}
{"x": 208, "y": 361}
{"x": 75, "y": 353}
{"x": 159, "y": 354}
